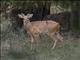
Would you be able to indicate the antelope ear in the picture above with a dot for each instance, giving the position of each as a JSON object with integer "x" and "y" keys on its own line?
{"x": 20, "y": 16}
{"x": 29, "y": 15}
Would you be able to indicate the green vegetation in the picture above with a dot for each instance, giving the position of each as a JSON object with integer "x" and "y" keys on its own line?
{"x": 15, "y": 45}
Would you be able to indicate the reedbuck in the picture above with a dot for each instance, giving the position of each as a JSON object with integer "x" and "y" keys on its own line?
{"x": 35, "y": 28}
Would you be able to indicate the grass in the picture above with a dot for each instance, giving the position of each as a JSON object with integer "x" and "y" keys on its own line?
{"x": 20, "y": 49}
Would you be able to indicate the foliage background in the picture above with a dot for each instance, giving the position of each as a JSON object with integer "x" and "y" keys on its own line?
{"x": 15, "y": 42}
